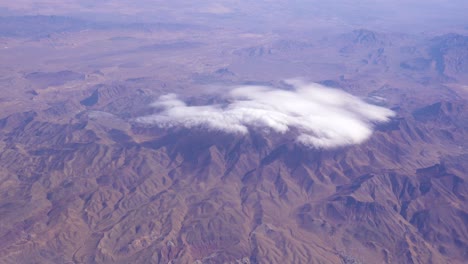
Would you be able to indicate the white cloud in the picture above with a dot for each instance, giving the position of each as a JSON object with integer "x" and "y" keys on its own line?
{"x": 315, "y": 115}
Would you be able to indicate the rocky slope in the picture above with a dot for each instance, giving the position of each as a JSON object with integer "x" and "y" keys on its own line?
{"x": 102, "y": 190}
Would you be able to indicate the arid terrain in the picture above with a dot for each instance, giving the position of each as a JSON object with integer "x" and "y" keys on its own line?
{"x": 83, "y": 181}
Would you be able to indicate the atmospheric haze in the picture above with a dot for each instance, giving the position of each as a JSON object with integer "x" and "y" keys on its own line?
{"x": 318, "y": 116}
{"x": 156, "y": 131}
